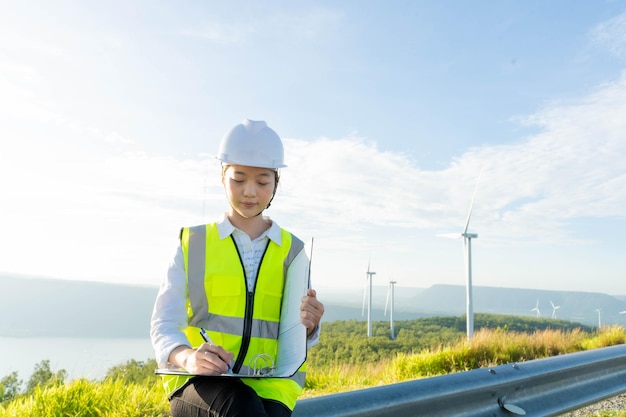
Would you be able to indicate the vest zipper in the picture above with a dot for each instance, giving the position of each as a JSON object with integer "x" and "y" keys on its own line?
{"x": 247, "y": 326}
{"x": 248, "y": 316}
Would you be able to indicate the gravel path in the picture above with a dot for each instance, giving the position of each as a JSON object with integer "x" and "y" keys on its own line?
{"x": 615, "y": 404}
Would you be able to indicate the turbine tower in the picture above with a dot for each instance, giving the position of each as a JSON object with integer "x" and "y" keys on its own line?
{"x": 390, "y": 293}
{"x": 369, "y": 299}
{"x": 536, "y": 309}
{"x": 599, "y": 320}
{"x": 554, "y": 309}
{"x": 467, "y": 250}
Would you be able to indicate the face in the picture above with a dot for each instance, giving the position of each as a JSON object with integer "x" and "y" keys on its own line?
{"x": 249, "y": 189}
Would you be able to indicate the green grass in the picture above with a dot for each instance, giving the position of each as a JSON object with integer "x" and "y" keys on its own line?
{"x": 128, "y": 391}
{"x": 487, "y": 348}
{"x": 82, "y": 398}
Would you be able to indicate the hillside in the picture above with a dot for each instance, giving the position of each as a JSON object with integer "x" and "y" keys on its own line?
{"x": 39, "y": 307}
{"x": 449, "y": 300}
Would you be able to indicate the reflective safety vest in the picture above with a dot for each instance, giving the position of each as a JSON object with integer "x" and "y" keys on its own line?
{"x": 245, "y": 323}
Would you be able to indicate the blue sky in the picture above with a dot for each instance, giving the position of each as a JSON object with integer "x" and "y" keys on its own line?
{"x": 111, "y": 112}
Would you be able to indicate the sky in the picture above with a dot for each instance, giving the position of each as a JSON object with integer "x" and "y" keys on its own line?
{"x": 392, "y": 114}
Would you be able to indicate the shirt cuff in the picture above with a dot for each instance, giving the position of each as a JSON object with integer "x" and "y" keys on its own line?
{"x": 314, "y": 338}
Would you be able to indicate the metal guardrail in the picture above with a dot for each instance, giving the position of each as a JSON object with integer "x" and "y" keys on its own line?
{"x": 541, "y": 387}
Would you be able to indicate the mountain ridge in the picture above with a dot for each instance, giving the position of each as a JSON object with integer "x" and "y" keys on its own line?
{"x": 446, "y": 299}
{"x": 44, "y": 307}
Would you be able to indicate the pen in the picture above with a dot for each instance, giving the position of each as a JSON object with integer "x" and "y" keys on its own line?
{"x": 205, "y": 336}
{"x": 207, "y": 339}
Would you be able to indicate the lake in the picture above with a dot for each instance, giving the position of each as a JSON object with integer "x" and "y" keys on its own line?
{"x": 80, "y": 357}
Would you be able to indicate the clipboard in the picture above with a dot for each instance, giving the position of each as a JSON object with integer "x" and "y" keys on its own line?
{"x": 292, "y": 335}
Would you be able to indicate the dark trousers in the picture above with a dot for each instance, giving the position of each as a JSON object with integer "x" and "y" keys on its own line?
{"x": 223, "y": 397}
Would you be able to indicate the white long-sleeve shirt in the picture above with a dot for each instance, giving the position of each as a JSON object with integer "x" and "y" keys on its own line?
{"x": 169, "y": 315}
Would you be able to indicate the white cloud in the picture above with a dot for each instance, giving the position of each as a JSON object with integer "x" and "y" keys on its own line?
{"x": 17, "y": 71}
{"x": 352, "y": 183}
{"x": 285, "y": 26}
{"x": 359, "y": 200}
{"x": 219, "y": 33}
{"x": 573, "y": 168}
{"x": 120, "y": 211}
{"x": 309, "y": 24}
{"x": 116, "y": 138}
{"x": 611, "y": 35}
{"x": 13, "y": 41}
{"x": 86, "y": 207}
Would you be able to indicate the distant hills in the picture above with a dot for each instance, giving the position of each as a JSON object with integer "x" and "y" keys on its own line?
{"x": 40, "y": 307}
{"x": 449, "y": 300}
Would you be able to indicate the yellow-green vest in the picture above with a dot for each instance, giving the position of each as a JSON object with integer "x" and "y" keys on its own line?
{"x": 241, "y": 322}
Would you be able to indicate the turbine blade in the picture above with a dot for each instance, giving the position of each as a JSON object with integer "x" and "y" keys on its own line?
{"x": 469, "y": 214}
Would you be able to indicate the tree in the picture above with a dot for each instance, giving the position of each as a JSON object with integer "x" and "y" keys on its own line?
{"x": 10, "y": 387}
{"x": 133, "y": 371}
{"x": 43, "y": 376}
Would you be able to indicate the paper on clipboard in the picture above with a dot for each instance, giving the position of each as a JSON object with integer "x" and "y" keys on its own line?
{"x": 292, "y": 334}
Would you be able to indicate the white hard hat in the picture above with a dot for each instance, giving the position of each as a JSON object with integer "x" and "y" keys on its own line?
{"x": 252, "y": 143}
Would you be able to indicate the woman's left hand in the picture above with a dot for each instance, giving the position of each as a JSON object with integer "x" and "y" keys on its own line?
{"x": 311, "y": 311}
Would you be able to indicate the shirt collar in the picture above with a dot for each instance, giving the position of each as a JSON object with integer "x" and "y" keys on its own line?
{"x": 225, "y": 228}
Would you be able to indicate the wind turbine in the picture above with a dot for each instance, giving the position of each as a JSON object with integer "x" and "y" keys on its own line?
{"x": 467, "y": 248}
{"x": 369, "y": 302}
{"x": 554, "y": 309}
{"x": 536, "y": 309}
{"x": 599, "y": 320}
{"x": 390, "y": 292}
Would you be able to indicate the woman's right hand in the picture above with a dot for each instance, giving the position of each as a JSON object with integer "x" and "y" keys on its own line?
{"x": 208, "y": 359}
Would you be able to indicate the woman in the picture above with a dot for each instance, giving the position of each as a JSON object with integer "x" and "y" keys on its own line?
{"x": 228, "y": 277}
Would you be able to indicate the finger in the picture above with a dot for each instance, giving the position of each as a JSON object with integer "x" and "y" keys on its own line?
{"x": 310, "y": 302}
{"x": 312, "y": 317}
{"x": 309, "y": 319}
{"x": 207, "y": 346}
{"x": 312, "y": 305}
{"x": 224, "y": 355}
{"x": 212, "y": 361}
{"x": 311, "y": 294}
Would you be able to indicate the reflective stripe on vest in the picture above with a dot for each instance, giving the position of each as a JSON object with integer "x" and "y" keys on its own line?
{"x": 242, "y": 322}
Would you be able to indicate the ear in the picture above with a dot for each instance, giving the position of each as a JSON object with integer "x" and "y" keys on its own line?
{"x": 224, "y": 167}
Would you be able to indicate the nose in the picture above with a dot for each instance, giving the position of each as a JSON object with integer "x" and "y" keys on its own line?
{"x": 249, "y": 189}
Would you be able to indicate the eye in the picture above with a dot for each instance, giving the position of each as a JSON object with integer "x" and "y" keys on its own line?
{"x": 236, "y": 181}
